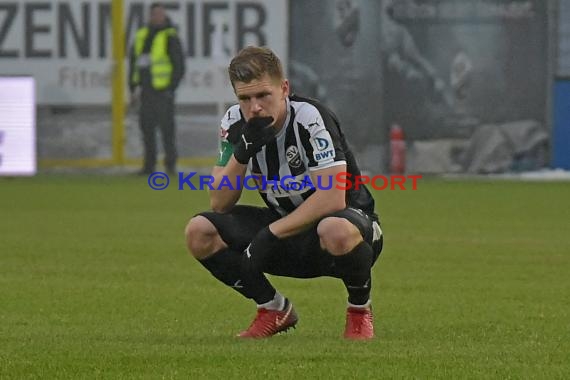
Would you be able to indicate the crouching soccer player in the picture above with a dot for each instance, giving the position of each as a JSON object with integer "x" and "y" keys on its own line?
{"x": 304, "y": 231}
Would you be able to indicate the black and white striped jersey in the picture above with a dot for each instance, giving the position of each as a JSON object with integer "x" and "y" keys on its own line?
{"x": 311, "y": 139}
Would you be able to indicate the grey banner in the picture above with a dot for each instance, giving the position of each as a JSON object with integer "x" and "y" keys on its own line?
{"x": 441, "y": 69}
{"x": 335, "y": 55}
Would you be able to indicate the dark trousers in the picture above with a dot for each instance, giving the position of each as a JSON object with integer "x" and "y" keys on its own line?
{"x": 157, "y": 111}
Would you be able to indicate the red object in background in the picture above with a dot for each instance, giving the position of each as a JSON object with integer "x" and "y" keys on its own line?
{"x": 397, "y": 150}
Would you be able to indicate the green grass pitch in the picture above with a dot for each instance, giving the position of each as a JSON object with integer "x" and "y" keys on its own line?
{"x": 95, "y": 282}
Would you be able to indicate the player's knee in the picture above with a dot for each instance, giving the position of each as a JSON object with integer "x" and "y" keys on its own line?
{"x": 338, "y": 236}
{"x": 201, "y": 236}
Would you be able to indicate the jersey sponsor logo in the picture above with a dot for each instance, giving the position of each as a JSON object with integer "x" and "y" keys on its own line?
{"x": 287, "y": 186}
{"x": 285, "y": 192}
{"x": 322, "y": 156}
{"x": 321, "y": 141}
{"x": 322, "y": 144}
{"x": 293, "y": 156}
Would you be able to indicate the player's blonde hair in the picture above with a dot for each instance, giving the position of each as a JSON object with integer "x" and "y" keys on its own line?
{"x": 252, "y": 63}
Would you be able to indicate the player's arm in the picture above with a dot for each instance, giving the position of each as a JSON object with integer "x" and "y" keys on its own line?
{"x": 224, "y": 195}
{"x": 223, "y": 198}
{"x": 326, "y": 159}
{"x": 320, "y": 203}
{"x": 317, "y": 205}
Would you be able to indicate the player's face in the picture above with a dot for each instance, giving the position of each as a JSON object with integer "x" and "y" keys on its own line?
{"x": 263, "y": 97}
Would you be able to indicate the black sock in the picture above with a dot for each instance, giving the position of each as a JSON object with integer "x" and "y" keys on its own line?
{"x": 225, "y": 265}
{"x": 354, "y": 269}
{"x": 259, "y": 286}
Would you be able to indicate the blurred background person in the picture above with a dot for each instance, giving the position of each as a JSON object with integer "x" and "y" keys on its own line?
{"x": 155, "y": 70}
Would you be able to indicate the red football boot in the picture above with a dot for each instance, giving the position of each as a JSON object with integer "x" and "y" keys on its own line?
{"x": 270, "y": 322}
{"x": 359, "y": 323}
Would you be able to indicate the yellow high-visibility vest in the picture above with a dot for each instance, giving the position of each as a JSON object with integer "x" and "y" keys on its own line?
{"x": 160, "y": 62}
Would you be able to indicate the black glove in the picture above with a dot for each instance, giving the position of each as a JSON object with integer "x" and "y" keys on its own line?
{"x": 234, "y": 133}
{"x": 256, "y": 133}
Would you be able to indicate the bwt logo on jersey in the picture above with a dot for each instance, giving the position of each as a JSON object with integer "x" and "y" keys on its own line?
{"x": 323, "y": 146}
{"x": 324, "y": 155}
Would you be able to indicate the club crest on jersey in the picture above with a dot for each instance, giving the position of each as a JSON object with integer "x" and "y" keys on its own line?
{"x": 293, "y": 156}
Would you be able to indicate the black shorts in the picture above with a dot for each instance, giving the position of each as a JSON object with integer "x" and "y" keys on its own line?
{"x": 299, "y": 256}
